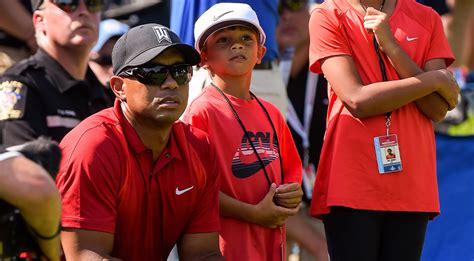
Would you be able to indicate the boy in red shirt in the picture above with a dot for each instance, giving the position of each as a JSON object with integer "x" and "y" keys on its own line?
{"x": 261, "y": 175}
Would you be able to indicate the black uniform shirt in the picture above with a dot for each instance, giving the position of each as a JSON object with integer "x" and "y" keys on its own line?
{"x": 39, "y": 97}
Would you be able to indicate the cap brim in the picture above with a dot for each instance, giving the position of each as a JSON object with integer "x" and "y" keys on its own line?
{"x": 223, "y": 25}
{"x": 190, "y": 55}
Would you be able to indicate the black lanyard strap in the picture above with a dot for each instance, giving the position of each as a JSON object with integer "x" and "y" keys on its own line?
{"x": 248, "y": 137}
{"x": 384, "y": 78}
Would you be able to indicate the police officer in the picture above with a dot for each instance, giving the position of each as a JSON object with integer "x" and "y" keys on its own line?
{"x": 52, "y": 91}
{"x": 17, "y": 33}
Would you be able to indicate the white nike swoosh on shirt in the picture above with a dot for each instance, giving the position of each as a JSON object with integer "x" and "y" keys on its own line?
{"x": 179, "y": 192}
{"x": 411, "y": 38}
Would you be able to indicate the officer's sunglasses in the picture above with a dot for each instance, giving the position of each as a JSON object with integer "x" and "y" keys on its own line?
{"x": 291, "y": 5}
{"x": 69, "y": 6}
{"x": 157, "y": 74}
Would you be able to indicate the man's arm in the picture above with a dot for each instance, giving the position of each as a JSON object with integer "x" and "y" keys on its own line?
{"x": 199, "y": 246}
{"x": 80, "y": 244}
{"x": 27, "y": 186}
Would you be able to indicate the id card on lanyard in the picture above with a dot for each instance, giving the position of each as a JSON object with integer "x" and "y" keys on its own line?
{"x": 386, "y": 147}
{"x": 387, "y": 151}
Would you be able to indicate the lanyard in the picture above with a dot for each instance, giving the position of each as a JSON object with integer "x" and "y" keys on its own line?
{"x": 384, "y": 78}
{"x": 301, "y": 128}
{"x": 236, "y": 115}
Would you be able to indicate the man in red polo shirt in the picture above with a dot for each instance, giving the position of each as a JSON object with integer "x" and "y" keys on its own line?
{"x": 133, "y": 180}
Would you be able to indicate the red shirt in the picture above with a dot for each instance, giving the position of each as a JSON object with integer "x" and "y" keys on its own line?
{"x": 348, "y": 174}
{"x": 109, "y": 183}
{"x": 242, "y": 176}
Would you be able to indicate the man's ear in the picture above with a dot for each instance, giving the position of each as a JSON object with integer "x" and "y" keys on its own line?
{"x": 38, "y": 20}
{"x": 118, "y": 85}
{"x": 260, "y": 53}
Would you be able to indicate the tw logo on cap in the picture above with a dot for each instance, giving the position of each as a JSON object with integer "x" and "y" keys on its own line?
{"x": 162, "y": 34}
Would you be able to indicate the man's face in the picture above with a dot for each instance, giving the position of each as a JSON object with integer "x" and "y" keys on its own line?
{"x": 293, "y": 27}
{"x": 233, "y": 51}
{"x": 77, "y": 28}
{"x": 156, "y": 104}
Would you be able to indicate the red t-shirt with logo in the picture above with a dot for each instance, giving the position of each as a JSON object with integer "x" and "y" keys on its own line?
{"x": 109, "y": 183}
{"x": 348, "y": 174}
{"x": 242, "y": 176}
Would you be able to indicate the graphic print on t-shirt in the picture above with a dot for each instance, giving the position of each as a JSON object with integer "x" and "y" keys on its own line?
{"x": 245, "y": 163}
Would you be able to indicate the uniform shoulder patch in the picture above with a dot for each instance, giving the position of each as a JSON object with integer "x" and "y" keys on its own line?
{"x": 12, "y": 100}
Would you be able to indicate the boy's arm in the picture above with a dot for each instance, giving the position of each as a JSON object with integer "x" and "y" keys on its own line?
{"x": 289, "y": 195}
{"x": 265, "y": 213}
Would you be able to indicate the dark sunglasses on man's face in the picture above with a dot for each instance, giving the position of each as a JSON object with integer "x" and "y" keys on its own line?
{"x": 291, "y": 5}
{"x": 157, "y": 74}
{"x": 69, "y": 6}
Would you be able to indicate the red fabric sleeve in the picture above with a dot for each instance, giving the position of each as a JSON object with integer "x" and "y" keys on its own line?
{"x": 439, "y": 45}
{"x": 88, "y": 183}
{"x": 292, "y": 166}
{"x": 197, "y": 121}
{"x": 326, "y": 38}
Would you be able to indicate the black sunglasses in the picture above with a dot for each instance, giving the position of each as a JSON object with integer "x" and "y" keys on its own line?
{"x": 103, "y": 60}
{"x": 157, "y": 74}
{"x": 291, "y": 5}
{"x": 69, "y": 6}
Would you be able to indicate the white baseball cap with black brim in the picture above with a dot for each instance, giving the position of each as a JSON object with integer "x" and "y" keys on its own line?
{"x": 223, "y": 15}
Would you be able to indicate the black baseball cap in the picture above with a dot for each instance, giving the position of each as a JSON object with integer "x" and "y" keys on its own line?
{"x": 143, "y": 43}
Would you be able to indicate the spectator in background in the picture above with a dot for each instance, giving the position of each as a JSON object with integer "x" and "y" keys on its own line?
{"x": 17, "y": 33}
{"x": 101, "y": 55}
{"x": 266, "y": 79}
{"x": 134, "y": 181}
{"x": 28, "y": 187}
{"x": 52, "y": 91}
{"x": 386, "y": 69}
{"x": 307, "y": 108}
{"x": 460, "y": 32}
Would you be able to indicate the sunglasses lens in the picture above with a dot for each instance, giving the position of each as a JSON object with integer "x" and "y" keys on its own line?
{"x": 69, "y": 6}
{"x": 155, "y": 78}
{"x": 94, "y": 6}
{"x": 291, "y": 5}
{"x": 157, "y": 75}
{"x": 182, "y": 74}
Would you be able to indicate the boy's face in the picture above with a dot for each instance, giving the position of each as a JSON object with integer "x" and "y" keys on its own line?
{"x": 232, "y": 51}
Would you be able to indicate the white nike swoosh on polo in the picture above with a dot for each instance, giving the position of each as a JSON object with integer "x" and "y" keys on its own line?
{"x": 411, "y": 38}
{"x": 179, "y": 192}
